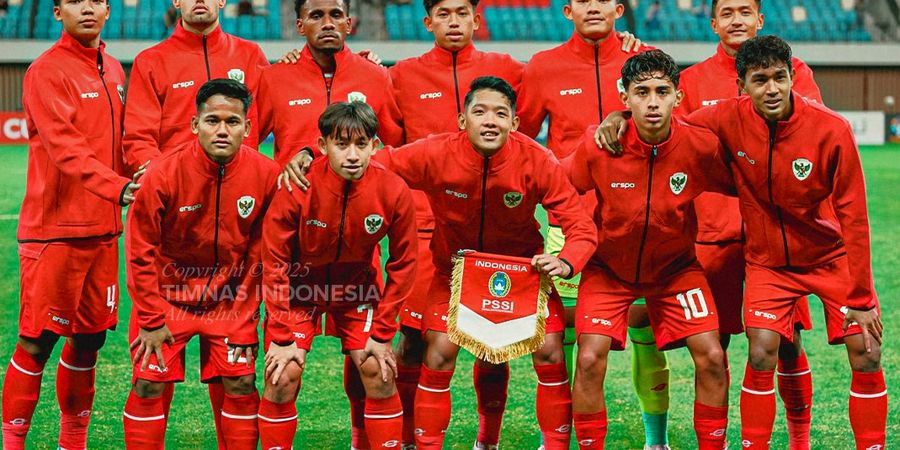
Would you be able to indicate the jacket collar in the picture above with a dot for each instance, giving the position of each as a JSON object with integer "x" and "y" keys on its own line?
{"x": 210, "y": 168}
{"x": 70, "y": 44}
{"x": 330, "y": 180}
{"x": 634, "y": 144}
{"x": 783, "y": 128}
{"x": 185, "y": 38}
{"x": 340, "y": 57}
{"x": 725, "y": 61}
{"x": 607, "y": 48}
{"x": 445, "y": 57}
{"x": 475, "y": 160}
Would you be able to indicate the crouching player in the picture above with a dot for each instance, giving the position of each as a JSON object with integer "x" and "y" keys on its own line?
{"x": 194, "y": 250}
{"x": 317, "y": 255}
{"x": 646, "y": 229}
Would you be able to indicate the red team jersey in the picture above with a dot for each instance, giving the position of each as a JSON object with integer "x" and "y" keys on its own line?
{"x": 326, "y": 237}
{"x": 73, "y": 98}
{"x": 292, "y": 96}
{"x": 195, "y": 236}
{"x": 164, "y": 82}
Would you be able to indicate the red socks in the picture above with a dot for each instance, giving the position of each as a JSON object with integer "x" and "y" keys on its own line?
{"x": 145, "y": 423}
{"x": 239, "y": 421}
{"x": 491, "y": 391}
{"x": 21, "y": 389}
{"x": 277, "y": 424}
{"x": 356, "y": 394}
{"x": 868, "y": 409}
{"x": 757, "y": 408}
{"x": 710, "y": 423}
{"x": 554, "y": 405}
{"x": 75, "y": 393}
{"x": 795, "y": 389}
{"x": 590, "y": 430}
{"x": 407, "y": 383}
{"x": 433, "y": 407}
{"x": 216, "y": 400}
{"x": 384, "y": 422}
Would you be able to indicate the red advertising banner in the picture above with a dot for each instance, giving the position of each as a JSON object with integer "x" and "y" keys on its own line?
{"x": 13, "y": 129}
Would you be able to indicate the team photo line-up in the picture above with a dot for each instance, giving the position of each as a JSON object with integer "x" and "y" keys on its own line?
{"x": 718, "y": 197}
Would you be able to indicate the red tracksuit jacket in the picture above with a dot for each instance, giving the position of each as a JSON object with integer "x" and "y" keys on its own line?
{"x": 430, "y": 90}
{"x": 164, "y": 82}
{"x": 487, "y": 204}
{"x": 645, "y": 215}
{"x": 801, "y": 188}
{"x": 291, "y": 98}
{"x": 328, "y": 235}
{"x": 195, "y": 235}
{"x": 73, "y": 98}
{"x": 704, "y": 84}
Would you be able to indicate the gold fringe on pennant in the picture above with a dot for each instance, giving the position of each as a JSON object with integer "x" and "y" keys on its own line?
{"x": 478, "y": 348}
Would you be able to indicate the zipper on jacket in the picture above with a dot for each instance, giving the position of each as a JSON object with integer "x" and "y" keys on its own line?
{"x": 597, "y": 79}
{"x": 637, "y": 272}
{"x": 206, "y": 59}
{"x": 327, "y": 84}
{"x": 484, "y": 177}
{"x": 340, "y": 243}
{"x": 221, "y": 174}
{"x": 456, "y": 84}
{"x": 773, "y": 126}
{"x": 112, "y": 118}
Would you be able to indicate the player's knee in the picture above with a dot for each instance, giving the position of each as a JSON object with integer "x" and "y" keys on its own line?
{"x": 243, "y": 385}
{"x": 436, "y": 360}
{"x": 762, "y": 358}
{"x": 711, "y": 362}
{"x": 148, "y": 389}
{"x": 288, "y": 384}
{"x": 550, "y": 353}
{"x": 590, "y": 362}
{"x": 862, "y": 360}
{"x": 42, "y": 346}
{"x": 89, "y": 342}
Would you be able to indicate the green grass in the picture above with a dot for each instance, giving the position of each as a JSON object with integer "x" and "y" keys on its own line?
{"x": 324, "y": 422}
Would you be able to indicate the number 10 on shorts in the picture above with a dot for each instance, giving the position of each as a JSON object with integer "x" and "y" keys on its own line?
{"x": 693, "y": 303}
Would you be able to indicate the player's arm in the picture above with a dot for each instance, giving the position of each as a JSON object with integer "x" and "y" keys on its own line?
{"x": 52, "y": 109}
{"x": 410, "y": 162}
{"x": 143, "y": 115}
{"x": 265, "y": 107}
{"x": 143, "y": 240}
{"x": 849, "y": 200}
{"x": 531, "y": 109}
{"x": 805, "y": 83}
{"x": 716, "y": 170}
{"x": 257, "y": 63}
{"x": 562, "y": 202}
{"x": 577, "y": 166}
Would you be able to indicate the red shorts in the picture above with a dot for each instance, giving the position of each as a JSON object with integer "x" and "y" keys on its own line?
{"x": 213, "y": 326}
{"x": 415, "y": 305}
{"x": 681, "y": 307}
{"x": 68, "y": 287}
{"x": 350, "y": 322}
{"x": 439, "y": 298}
{"x": 770, "y": 301}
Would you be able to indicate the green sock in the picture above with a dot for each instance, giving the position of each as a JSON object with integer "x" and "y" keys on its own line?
{"x": 650, "y": 374}
{"x": 570, "y": 350}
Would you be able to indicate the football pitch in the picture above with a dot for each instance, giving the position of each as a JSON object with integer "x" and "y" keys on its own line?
{"x": 322, "y": 407}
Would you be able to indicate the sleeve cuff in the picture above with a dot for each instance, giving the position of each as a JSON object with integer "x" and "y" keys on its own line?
{"x": 122, "y": 194}
{"x": 308, "y": 151}
{"x": 571, "y": 269}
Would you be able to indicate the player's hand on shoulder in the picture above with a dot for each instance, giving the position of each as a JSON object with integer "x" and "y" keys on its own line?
{"x": 278, "y": 357}
{"x": 551, "y": 266}
{"x": 295, "y": 171}
{"x": 869, "y": 322}
{"x": 291, "y": 57}
{"x": 610, "y": 132}
{"x": 371, "y": 56}
{"x": 149, "y": 343}
{"x": 630, "y": 42}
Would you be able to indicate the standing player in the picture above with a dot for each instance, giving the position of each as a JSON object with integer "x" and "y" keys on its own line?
{"x": 194, "y": 249}
{"x": 163, "y": 86}
{"x": 318, "y": 249}
{"x": 802, "y": 195}
{"x": 721, "y": 236}
{"x": 592, "y": 60}
{"x": 466, "y": 176}
{"x": 70, "y": 222}
{"x": 430, "y": 90}
{"x": 645, "y": 249}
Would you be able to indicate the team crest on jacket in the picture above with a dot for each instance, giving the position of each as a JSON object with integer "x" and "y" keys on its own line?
{"x": 677, "y": 182}
{"x": 245, "y": 206}
{"x": 373, "y": 223}
{"x": 802, "y": 168}
{"x": 512, "y": 199}
{"x": 236, "y": 75}
{"x": 121, "y": 91}
{"x": 499, "y": 285}
{"x": 356, "y": 96}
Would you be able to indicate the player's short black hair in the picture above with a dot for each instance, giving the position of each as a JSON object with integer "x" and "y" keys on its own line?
{"x": 650, "y": 64}
{"x": 298, "y": 5}
{"x": 762, "y": 52}
{"x": 225, "y": 87}
{"x": 346, "y": 119}
{"x": 716, "y": 3}
{"x": 430, "y": 4}
{"x": 492, "y": 83}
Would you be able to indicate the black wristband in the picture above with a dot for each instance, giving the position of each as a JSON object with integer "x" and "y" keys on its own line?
{"x": 571, "y": 269}
{"x": 122, "y": 194}
{"x": 309, "y": 151}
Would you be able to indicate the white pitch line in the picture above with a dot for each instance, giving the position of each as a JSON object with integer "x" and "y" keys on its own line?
{"x": 9, "y": 217}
